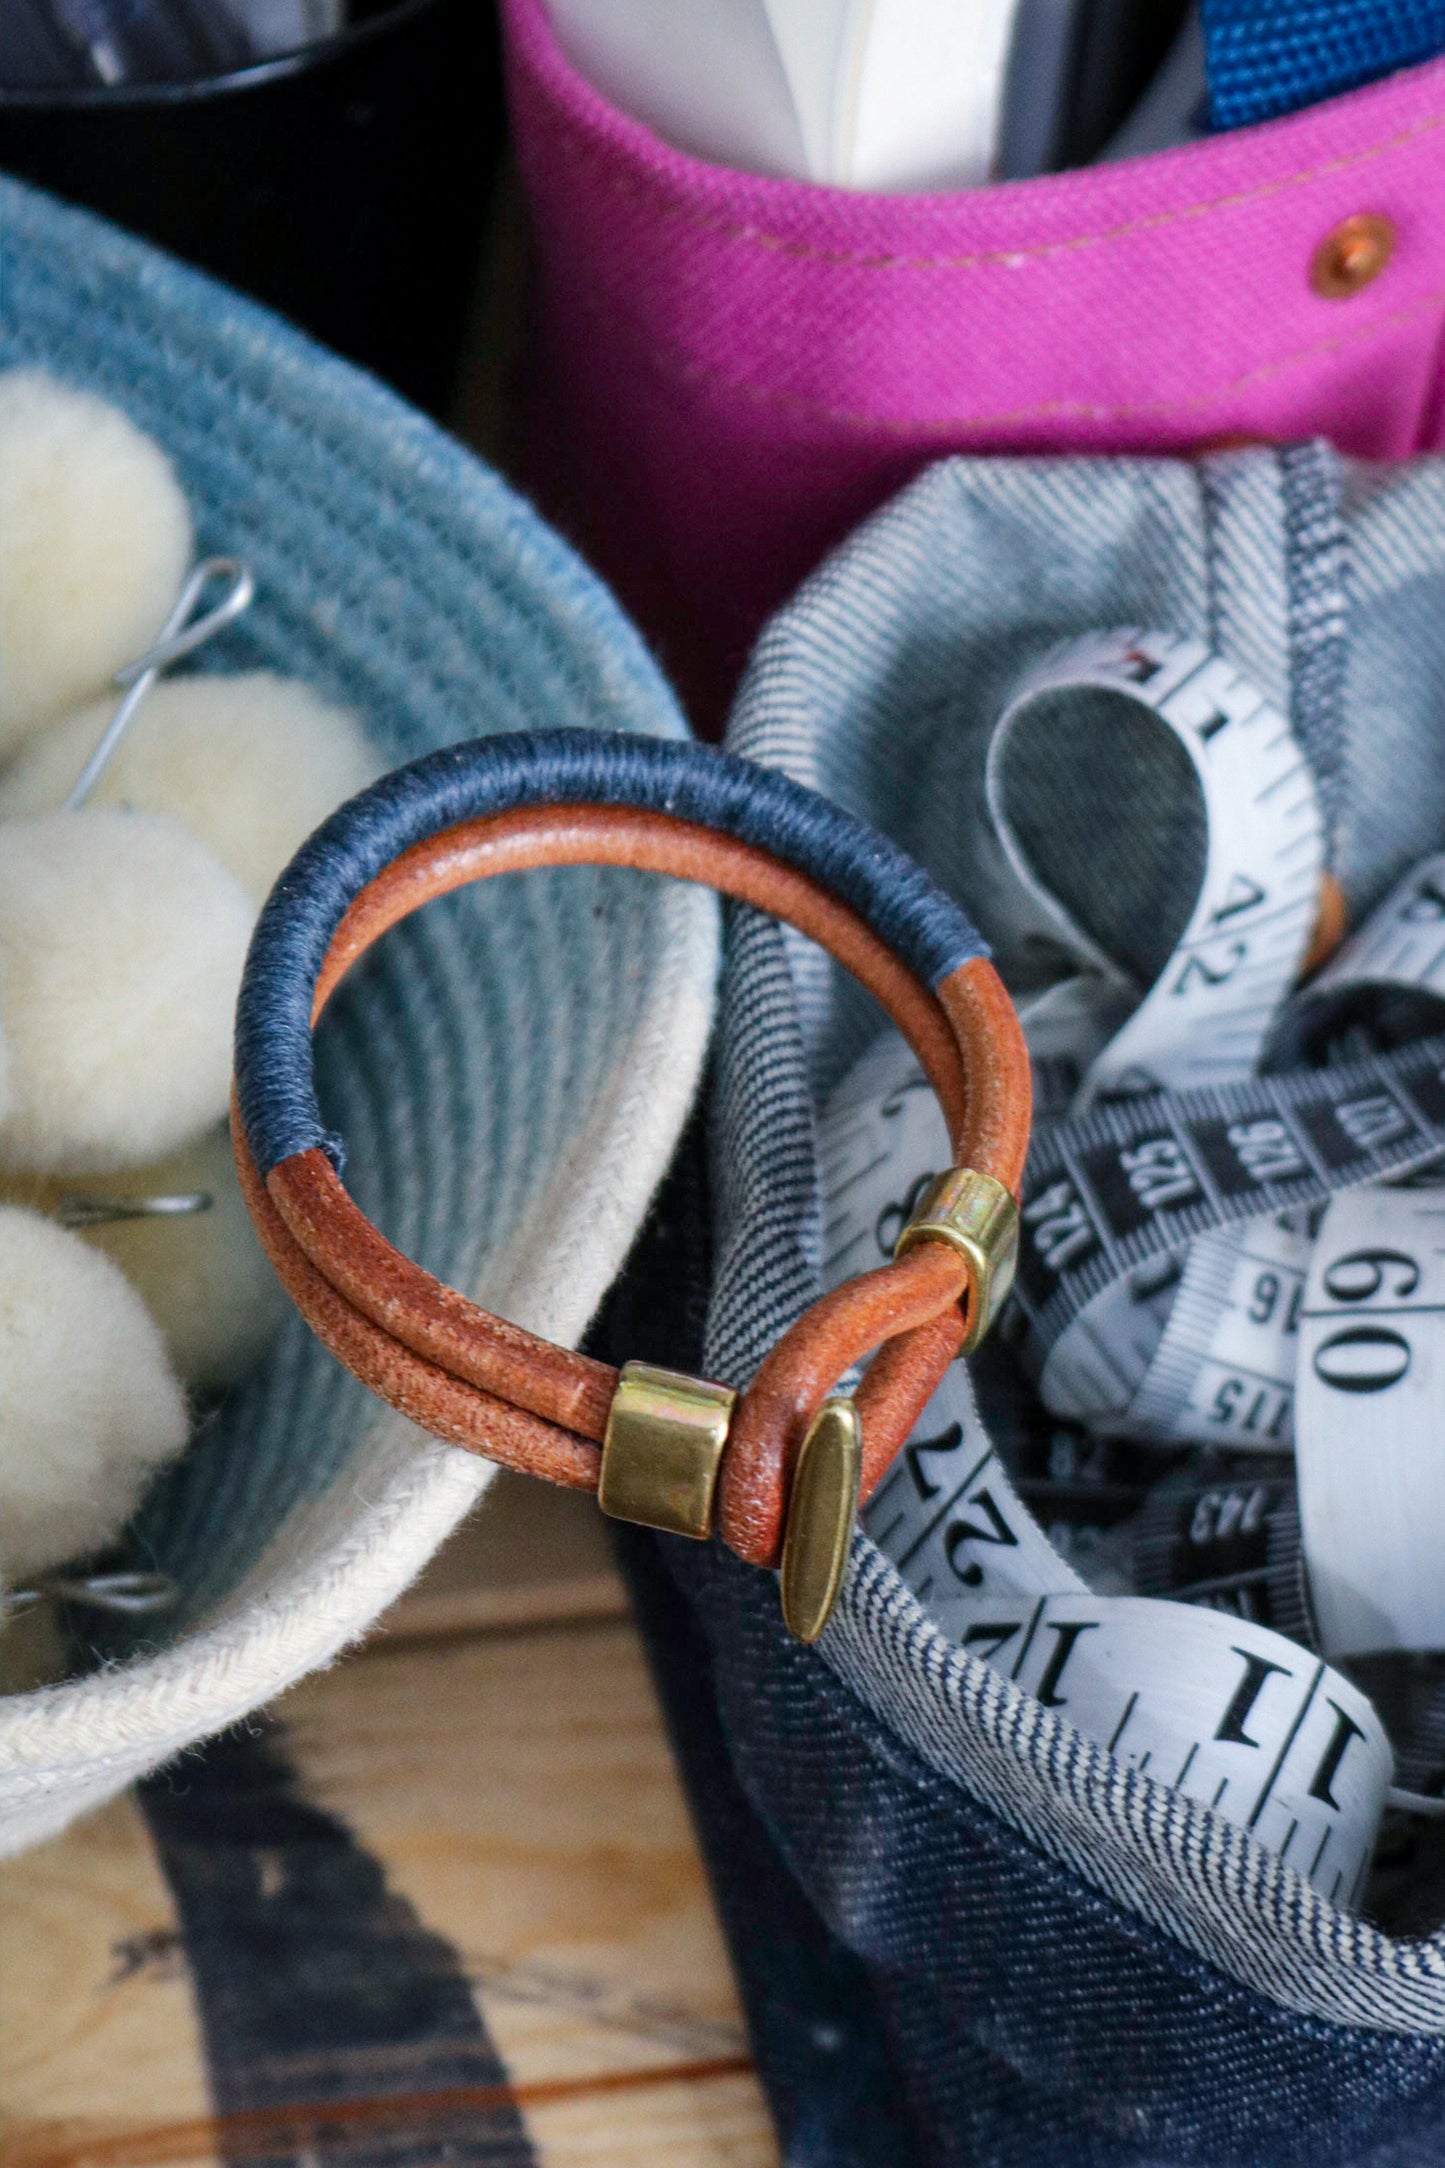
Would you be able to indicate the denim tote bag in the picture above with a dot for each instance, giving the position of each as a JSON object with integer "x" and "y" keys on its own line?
{"x": 967, "y": 1933}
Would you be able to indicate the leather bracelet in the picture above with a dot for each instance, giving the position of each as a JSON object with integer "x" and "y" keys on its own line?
{"x": 781, "y": 1469}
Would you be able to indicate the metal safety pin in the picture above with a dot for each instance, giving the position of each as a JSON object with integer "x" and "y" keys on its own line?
{"x": 115, "y": 1211}
{"x": 181, "y": 634}
{"x": 133, "y": 1594}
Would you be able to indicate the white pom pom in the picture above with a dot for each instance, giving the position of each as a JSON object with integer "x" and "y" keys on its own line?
{"x": 95, "y": 539}
{"x": 121, "y": 945}
{"x": 204, "y": 1276}
{"x": 250, "y": 763}
{"x": 88, "y": 1402}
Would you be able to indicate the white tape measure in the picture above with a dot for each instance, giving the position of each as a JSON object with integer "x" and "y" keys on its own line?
{"x": 1371, "y": 1447}
{"x": 1227, "y": 1710}
{"x": 1206, "y": 1017}
{"x": 1225, "y": 1366}
{"x": 1208, "y": 1013}
{"x": 1167, "y": 1277}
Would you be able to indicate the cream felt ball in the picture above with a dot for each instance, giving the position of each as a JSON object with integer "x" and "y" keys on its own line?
{"x": 204, "y": 1276}
{"x": 250, "y": 763}
{"x": 95, "y": 539}
{"x": 89, "y": 1404}
{"x": 121, "y": 945}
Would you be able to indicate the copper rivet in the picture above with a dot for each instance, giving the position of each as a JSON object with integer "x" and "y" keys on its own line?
{"x": 1350, "y": 257}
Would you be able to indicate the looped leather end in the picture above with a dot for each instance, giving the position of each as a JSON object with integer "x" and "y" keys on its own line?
{"x": 912, "y": 1310}
{"x": 806, "y": 1367}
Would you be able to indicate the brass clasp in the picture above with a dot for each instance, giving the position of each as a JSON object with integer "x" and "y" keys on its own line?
{"x": 666, "y": 1434}
{"x": 978, "y": 1217}
{"x": 822, "y": 1508}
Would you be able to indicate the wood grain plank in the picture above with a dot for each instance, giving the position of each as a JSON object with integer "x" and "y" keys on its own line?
{"x": 97, "y": 2026}
{"x": 529, "y": 1555}
{"x": 520, "y": 1791}
{"x": 517, "y": 1789}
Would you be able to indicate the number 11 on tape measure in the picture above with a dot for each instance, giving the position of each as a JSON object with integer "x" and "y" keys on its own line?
{"x": 1223, "y": 1709}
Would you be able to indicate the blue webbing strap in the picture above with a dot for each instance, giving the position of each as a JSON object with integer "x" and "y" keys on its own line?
{"x": 1266, "y": 57}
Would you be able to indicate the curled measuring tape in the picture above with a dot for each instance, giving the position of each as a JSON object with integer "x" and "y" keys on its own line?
{"x": 1224, "y": 1368}
{"x": 1250, "y": 822}
{"x": 1171, "y": 1226}
{"x": 1371, "y": 1444}
{"x": 1221, "y": 1366}
{"x": 1226, "y": 1709}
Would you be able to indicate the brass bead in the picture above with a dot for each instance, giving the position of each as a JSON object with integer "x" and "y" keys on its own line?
{"x": 977, "y": 1216}
{"x": 663, "y": 1448}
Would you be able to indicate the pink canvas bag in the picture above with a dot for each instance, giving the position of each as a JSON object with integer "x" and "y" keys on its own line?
{"x": 729, "y": 371}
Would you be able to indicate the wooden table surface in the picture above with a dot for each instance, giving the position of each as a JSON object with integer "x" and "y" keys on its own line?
{"x": 445, "y": 1903}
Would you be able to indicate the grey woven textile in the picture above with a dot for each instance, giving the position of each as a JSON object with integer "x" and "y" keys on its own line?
{"x": 1326, "y": 584}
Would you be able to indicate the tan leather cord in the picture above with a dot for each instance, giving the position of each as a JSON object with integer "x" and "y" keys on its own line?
{"x": 490, "y": 1385}
{"x": 430, "y": 1396}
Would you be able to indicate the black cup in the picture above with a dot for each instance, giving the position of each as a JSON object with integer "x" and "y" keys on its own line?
{"x": 345, "y": 185}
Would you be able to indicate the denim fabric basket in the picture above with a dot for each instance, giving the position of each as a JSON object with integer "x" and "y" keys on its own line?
{"x": 967, "y": 1933}
{"x": 510, "y": 1069}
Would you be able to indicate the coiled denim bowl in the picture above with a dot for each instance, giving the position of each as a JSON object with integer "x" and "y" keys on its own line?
{"x": 510, "y": 1069}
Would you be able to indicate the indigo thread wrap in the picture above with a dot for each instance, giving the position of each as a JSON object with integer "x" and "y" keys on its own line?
{"x": 274, "y": 1072}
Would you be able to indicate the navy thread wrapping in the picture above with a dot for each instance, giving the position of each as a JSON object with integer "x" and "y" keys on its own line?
{"x": 274, "y": 1074}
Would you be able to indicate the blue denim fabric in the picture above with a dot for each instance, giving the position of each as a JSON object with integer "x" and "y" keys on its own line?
{"x": 274, "y": 1077}
{"x": 1058, "y": 1958}
{"x": 1025, "y": 2019}
{"x": 927, "y": 1989}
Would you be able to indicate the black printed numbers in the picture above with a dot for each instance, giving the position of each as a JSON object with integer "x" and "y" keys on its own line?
{"x": 1066, "y": 1636}
{"x": 1257, "y": 1670}
{"x": 1371, "y": 1356}
{"x": 1345, "y": 1730}
{"x": 1361, "y": 1275}
{"x": 996, "y": 1530}
{"x": 1267, "y": 1295}
{"x": 1200, "y": 971}
{"x": 1362, "y": 1359}
{"x": 947, "y": 1441}
{"x": 1263, "y": 1411}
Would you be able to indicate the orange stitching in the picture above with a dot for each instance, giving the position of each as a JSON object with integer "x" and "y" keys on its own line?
{"x": 642, "y": 185}
{"x": 760, "y": 395}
